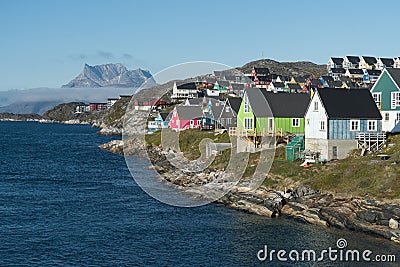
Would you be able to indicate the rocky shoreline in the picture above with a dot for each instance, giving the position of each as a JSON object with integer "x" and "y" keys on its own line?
{"x": 376, "y": 217}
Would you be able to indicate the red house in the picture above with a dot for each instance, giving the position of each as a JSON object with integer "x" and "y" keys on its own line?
{"x": 97, "y": 106}
{"x": 186, "y": 117}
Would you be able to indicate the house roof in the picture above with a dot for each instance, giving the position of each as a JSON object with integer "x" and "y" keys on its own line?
{"x": 237, "y": 86}
{"x": 164, "y": 115}
{"x": 327, "y": 78}
{"x": 234, "y": 103}
{"x": 395, "y": 74}
{"x": 349, "y": 104}
{"x": 189, "y": 112}
{"x": 316, "y": 82}
{"x": 294, "y": 86}
{"x": 374, "y": 72}
{"x": 338, "y": 70}
{"x": 388, "y": 62}
{"x": 223, "y": 83}
{"x": 353, "y": 59}
{"x": 337, "y": 60}
{"x": 262, "y": 71}
{"x": 186, "y": 86}
{"x": 230, "y": 77}
{"x": 287, "y": 105}
{"x": 210, "y": 80}
{"x": 217, "y": 73}
{"x": 264, "y": 78}
{"x": 370, "y": 60}
{"x": 356, "y": 71}
{"x": 337, "y": 84}
{"x": 278, "y": 84}
{"x": 258, "y": 103}
{"x": 195, "y": 101}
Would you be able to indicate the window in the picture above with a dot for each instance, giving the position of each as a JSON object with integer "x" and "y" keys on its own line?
{"x": 397, "y": 117}
{"x": 354, "y": 125}
{"x": 248, "y": 123}
{"x": 270, "y": 124}
{"x": 227, "y": 109}
{"x": 387, "y": 116}
{"x": 372, "y": 125}
{"x": 295, "y": 122}
{"x": 228, "y": 121}
{"x": 377, "y": 97}
{"x": 308, "y": 121}
{"x": 395, "y": 101}
{"x": 246, "y": 104}
{"x": 191, "y": 122}
{"x": 315, "y": 106}
{"x": 322, "y": 126}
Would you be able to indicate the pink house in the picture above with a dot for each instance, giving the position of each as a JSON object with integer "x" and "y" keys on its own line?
{"x": 186, "y": 117}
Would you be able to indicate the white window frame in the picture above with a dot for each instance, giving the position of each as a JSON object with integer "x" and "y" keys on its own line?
{"x": 322, "y": 125}
{"x": 387, "y": 116}
{"x": 191, "y": 123}
{"x": 295, "y": 122}
{"x": 395, "y": 100}
{"x": 354, "y": 123}
{"x": 370, "y": 123}
{"x": 227, "y": 109}
{"x": 246, "y": 107}
{"x": 248, "y": 123}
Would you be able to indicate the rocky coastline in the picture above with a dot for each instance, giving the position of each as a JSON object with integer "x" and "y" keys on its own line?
{"x": 372, "y": 216}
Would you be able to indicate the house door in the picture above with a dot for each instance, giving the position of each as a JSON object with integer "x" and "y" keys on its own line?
{"x": 334, "y": 152}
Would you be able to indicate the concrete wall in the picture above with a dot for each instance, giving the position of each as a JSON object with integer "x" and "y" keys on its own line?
{"x": 325, "y": 147}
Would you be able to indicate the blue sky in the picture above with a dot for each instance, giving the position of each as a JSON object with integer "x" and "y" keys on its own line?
{"x": 46, "y": 43}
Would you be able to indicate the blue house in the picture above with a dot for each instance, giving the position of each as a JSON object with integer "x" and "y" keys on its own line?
{"x": 160, "y": 122}
{"x": 338, "y": 121}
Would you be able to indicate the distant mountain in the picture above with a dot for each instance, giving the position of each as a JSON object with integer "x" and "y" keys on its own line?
{"x": 109, "y": 75}
{"x": 29, "y": 107}
{"x": 298, "y": 68}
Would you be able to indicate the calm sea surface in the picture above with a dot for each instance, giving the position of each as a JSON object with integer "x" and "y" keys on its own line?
{"x": 63, "y": 201}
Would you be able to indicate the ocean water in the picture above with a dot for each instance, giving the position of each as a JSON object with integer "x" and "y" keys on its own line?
{"x": 65, "y": 202}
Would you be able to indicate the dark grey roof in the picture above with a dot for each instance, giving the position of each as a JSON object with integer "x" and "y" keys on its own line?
{"x": 261, "y": 71}
{"x": 237, "y": 86}
{"x": 264, "y": 78}
{"x": 356, "y": 71}
{"x": 234, "y": 103}
{"x": 217, "y": 73}
{"x": 327, "y": 78}
{"x": 287, "y": 105}
{"x": 195, "y": 101}
{"x": 294, "y": 86}
{"x": 164, "y": 115}
{"x": 374, "y": 72}
{"x": 210, "y": 80}
{"x": 316, "y": 82}
{"x": 353, "y": 59}
{"x": 395, "y": 74}
{"x": 349, "y": 104}
{"x": 258, "y": 103}
{"x": 278, "y": 84}
{"x": 388, "y": 62}
{"x": 223, "y": 83}
{"x": 185, "y": 86}
{"x": 338, "y": 70}
{"x": 337, "y": 60}
{"x": 189, "y": 112}
{"x": 396, "y": 128}
{"x": 337, "y": 84}
{"x": 370, "y": 60}
{"x": 230, "y": 77}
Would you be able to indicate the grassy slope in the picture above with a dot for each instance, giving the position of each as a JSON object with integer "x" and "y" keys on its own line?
{"x": 355, "y": 175}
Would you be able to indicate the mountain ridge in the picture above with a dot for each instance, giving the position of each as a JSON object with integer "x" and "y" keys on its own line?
{"x": 108, "y": 75}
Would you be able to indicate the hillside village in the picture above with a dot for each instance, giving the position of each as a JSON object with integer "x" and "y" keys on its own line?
{"x": 321, "y": 118}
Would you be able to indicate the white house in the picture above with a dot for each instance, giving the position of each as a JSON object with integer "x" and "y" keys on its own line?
{"x": 186, "y": 90}
{"x": 335, "y": 118}
{"x": 383, "y": 63}
{"x": 335, "y": 62}
{"x": 367, "y": 63}
{"x": 351, "y": 62}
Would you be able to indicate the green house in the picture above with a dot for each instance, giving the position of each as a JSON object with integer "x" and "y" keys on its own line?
{"x": 386, "y": 93}
{"x": 221, "y": 85}
{"x": 265, "y": 113}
